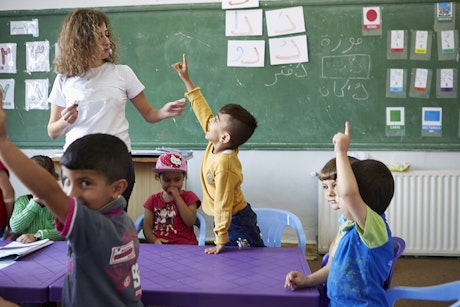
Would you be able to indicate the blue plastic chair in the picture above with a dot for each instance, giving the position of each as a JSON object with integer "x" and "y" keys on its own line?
{"x": 399, "y": 245}
{"x": 200, "y": 223}
{"x": 272, "y": 222}
{"x": 442, "y": 293}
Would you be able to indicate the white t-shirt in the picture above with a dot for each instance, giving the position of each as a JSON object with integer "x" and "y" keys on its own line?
{"x": 101, "y": 95}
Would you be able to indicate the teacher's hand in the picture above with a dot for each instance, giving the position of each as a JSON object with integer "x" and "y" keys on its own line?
{"x": 70, "y": 114}
{"x": 173, "y": 108}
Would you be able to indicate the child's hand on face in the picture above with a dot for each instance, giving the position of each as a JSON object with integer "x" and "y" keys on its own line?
{"x": 173, "y": 192}
{"x": 38, "y": 201}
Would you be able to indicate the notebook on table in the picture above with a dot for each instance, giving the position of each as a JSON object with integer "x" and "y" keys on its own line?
{"x": 15, "y": 250}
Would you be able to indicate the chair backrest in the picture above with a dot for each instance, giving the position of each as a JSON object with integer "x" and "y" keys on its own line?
{"x": 323, "y": 299}
{"x": 442, "y": 292}
{"x": 200, "y": 223}
{"x": 272, "y": 222}
{"x": 139, "y": 223}
{"x": 399, "y": 245}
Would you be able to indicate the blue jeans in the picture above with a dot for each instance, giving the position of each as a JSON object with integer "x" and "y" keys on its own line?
{"x": 244, "y": 228}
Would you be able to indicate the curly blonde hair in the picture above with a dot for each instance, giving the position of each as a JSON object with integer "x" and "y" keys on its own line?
{"x": 77, "y": 40}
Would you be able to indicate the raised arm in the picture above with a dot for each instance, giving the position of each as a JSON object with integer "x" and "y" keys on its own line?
{"x": 350, "y": 202}
{"x": 39, "y": 181}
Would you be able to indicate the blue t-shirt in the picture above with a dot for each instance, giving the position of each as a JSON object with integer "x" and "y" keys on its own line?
{"x": 361, "y": 262}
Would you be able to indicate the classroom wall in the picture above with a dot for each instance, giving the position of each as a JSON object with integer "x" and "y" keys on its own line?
{"x": 272, "y": 178}
{"x": 282, "y": 179}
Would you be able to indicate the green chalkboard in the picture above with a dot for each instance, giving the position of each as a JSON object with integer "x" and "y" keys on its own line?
{"x": 298, "y": 106}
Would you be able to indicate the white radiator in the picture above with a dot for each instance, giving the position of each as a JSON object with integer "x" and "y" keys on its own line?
{"x": 425, "y": 212}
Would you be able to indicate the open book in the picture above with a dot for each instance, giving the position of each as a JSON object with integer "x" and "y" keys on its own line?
{"x": 16, "y": 250}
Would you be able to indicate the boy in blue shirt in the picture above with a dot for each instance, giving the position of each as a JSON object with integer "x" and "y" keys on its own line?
{"x": 362, "y": 253}
{"x": 89, "y": 209}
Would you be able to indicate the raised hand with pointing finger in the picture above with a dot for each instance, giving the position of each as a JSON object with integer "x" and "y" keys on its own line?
{"x": 341, "y": 140}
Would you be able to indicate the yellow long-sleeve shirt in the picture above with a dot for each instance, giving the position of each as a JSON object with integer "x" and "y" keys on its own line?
{"x": 221, "y": 175}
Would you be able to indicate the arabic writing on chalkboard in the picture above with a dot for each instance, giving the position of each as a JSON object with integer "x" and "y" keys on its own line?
{"x": 346, "y": 70}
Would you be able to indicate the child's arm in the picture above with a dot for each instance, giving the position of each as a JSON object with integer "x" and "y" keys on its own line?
{"x": 199, "y": 104}
{"x": 38, "y": 180}
{"x": 182, "y": 70}
{"x": 295, "y": 279}
{"x": 24, "y": 214}
{"x": 348, "y": 192}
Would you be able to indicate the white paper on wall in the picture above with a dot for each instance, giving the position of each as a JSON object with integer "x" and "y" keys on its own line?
{"x": 24, "y": 28}
{"x": 8, "y": 58}
{"x": 37, "y": 56}
{"x": 36, "y": 94}
{"x": 7, "y": 88}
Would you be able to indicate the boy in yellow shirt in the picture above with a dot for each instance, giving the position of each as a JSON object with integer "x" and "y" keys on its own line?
{"x": 235, "y": 223}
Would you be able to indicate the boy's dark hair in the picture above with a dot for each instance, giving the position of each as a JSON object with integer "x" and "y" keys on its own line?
{"x": 375, "y": 183}
{"x": 242, "y": 124}
{"x": 329, "y": 170}
{"x": 46, "y": 163}
{"x": 104, "y": 153}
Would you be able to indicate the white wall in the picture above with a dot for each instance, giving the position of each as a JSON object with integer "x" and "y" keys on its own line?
{"x": 282, "y": 179}
{"x": 279, "y": 179}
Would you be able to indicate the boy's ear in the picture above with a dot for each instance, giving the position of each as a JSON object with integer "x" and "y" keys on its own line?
{"x": 225, "y": 138}
{"x": 119, "y": 187}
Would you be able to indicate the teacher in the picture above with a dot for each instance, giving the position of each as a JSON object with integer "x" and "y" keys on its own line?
{"x": 90, "y": 92}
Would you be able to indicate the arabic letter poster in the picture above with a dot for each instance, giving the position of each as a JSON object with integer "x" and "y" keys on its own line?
{"x": 288, "y": 50}
{"x": 246, "y": 53}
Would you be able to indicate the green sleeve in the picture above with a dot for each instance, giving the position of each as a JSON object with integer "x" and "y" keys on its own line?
{"x": 375, "y": 232}
{"x": 24, "y": 213}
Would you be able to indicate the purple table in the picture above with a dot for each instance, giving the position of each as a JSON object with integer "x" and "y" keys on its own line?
{"x": 28, "y": 279}
{"x": 183, "y": 275}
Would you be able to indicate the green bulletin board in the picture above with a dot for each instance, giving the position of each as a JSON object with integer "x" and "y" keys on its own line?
{"x": 298, "y": 106}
